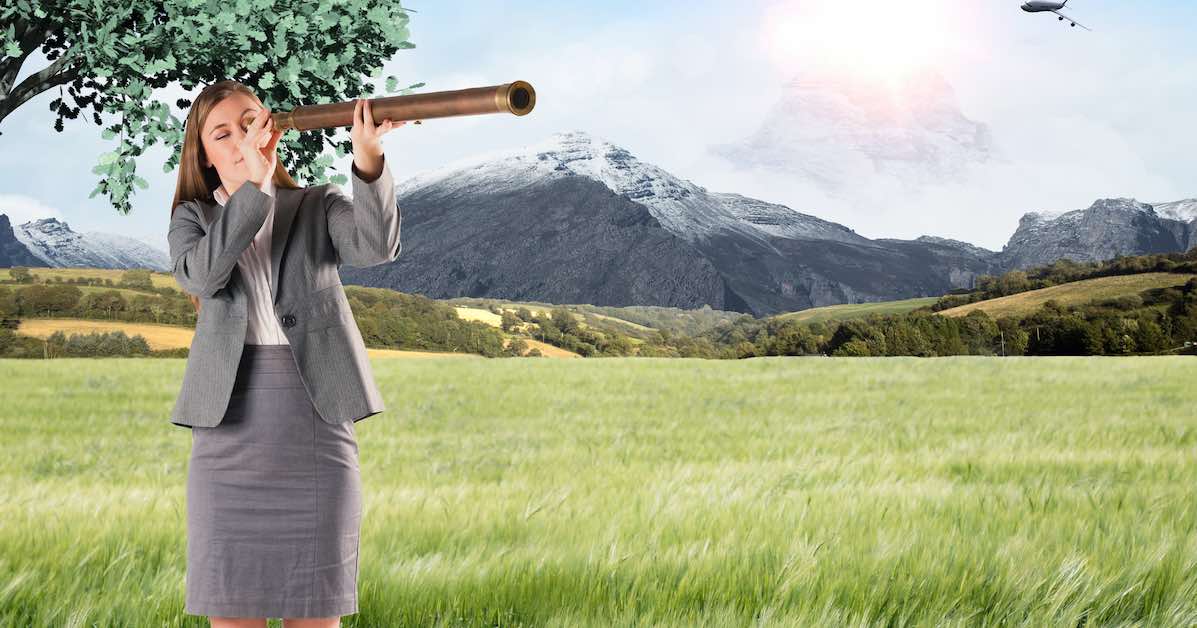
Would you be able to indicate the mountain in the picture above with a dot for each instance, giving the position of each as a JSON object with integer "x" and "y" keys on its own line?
{"x": 835, "y": 129}
{"x": 52, "y": 243}
{"x": 1109, "y": 227}
{"x": 576, "y": 219}
{"x": 13, "y": 252}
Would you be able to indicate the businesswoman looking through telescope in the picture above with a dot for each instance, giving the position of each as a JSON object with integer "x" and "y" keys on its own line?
{"x": 278, "y": 374}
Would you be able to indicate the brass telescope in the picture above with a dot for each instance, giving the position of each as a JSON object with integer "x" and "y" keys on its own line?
{"x": 516, "y": 97}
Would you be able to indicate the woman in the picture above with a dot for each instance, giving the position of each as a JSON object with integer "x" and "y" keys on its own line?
{"x": 273, "y": 485}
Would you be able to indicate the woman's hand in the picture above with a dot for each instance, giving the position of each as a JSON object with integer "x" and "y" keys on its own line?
{"x": 258, "y": 148}
{"x": 367, "y": 140}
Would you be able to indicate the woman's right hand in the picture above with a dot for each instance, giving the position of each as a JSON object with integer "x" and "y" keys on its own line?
{"x": 258, "y": 148}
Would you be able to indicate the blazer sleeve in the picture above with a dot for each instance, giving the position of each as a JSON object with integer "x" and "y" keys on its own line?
{"x": 365, "y": 229}
{"x": 203, "y": 260}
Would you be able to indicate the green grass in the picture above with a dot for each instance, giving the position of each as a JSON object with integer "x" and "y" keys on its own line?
{"x": 848, "y": 311}
{"x": 618, "y": 492}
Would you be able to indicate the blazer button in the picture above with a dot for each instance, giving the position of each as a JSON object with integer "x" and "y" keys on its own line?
{"x": 288, "y": 320}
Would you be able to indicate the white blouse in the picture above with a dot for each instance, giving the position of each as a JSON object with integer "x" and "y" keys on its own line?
{"x": 254, "y": 263}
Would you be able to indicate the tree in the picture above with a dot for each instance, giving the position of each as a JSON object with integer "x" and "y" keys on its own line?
{"x": 1011, "y": 338}
{"x": 136, "y": 279}
{"x": 20, "y": 274}
{"x": 564, "y": 320}
{"x": 517, "y": 347}
{"x": 852, "y": 348}
{"x": 109, "y": 302}
{"x": 867, "y": 331}
{"x": 1149, "y": 337}
{"x": 1013, "y": 282}
{"x": 509, "y": 321}
{"x": 111, "y": 54}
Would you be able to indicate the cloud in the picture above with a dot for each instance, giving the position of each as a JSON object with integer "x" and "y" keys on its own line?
{"x": 21, "y": 209}
{"x": 1077, "y": 116}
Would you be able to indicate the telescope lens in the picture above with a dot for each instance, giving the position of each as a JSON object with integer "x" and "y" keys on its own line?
{"x": 520, "y": 98}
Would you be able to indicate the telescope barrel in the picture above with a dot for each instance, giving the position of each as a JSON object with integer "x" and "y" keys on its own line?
{"x": 516, "y": 97}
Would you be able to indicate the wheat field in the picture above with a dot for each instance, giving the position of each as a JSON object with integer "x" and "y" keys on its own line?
{"x": 773, "y": 491}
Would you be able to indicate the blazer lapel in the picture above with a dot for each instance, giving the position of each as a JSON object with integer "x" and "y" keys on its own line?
{"x": 285, "y": 207}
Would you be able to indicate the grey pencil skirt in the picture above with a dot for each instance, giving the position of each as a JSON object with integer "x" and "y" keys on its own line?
{"x": 273, "y": 501}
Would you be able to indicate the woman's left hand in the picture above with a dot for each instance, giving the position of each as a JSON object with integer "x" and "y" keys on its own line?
{"x": 367, "y": 139}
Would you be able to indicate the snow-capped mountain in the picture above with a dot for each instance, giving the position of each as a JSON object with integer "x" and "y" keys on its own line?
{"x": 837, "y": 131}
{"x": 12, "y": 251}
{"x": 575, "y": 219}
{"x": 54, "y": 244}
{"x": 1109, "y": 227}
{"x": 685, "y": 209}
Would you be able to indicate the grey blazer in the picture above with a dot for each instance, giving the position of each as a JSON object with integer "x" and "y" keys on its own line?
{"x": 316, "y": 229}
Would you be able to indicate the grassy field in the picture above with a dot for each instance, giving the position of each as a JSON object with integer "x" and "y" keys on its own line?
{"x": 628, "y": 492}
{"x": 857, "y": 310}
{"x": 1073, "y": 293}
{"x": 159, "y": 279}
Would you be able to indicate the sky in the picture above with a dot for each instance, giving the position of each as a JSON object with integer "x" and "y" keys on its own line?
{"x": 1076, "y": 115}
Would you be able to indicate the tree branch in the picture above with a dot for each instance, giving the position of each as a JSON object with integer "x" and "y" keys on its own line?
{"x": 38, "y": 82}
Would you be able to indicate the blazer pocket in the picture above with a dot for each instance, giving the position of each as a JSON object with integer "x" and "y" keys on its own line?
{"x": 328, "y": 308}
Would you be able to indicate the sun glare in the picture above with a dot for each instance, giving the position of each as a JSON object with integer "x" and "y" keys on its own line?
{"x": 878, "y": 40}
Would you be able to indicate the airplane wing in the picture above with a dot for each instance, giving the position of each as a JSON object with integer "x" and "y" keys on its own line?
{"x": 1072, "y": 21}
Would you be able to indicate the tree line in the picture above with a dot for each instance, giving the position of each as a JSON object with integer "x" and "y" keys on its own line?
{"x": 1154, "y": 321}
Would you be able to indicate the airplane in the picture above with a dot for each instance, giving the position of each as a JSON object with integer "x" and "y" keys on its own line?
{"x": 1039, "y": 6}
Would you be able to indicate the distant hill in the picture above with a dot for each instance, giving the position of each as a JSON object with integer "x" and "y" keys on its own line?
{"x": 157, "y": 311}
{"x": 1022, "y": 304}
{"x": 1074, "y": 293}
{"x": 850, "y": 311}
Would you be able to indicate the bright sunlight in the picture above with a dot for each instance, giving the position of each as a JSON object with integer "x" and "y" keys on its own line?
{"x": 877, "y": 40}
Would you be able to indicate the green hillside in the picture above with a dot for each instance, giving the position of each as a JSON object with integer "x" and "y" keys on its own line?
{"x": 848, "y": 311}
{"x": 1073, "y": 293}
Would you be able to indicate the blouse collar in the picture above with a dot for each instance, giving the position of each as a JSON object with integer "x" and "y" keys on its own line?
{"x": 222, "y": 196}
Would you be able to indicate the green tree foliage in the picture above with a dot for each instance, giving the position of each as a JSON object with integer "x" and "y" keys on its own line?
{"x": 395, "y": 320}
{"x": 59, "y": 345}
{"x": 108, "y": 344}
{"x": 1154, "y": 321}
{"x": 516, "y": 347}
{"x": 20, "y": 274}
{"x": 112, "y": 54}
{"x": 46, "y": 300}
{"x": 136, "y": 279}
{"x": 510, "y": 321}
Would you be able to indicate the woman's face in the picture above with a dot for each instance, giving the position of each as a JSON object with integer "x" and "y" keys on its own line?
{"x": 223, "y": 131}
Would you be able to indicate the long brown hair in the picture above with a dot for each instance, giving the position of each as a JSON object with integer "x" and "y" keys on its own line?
{"x": 196, "y": 182}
